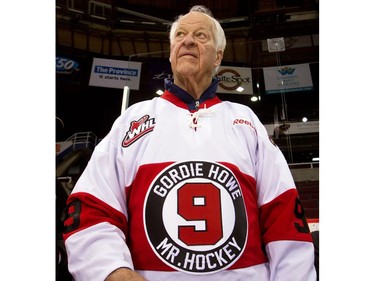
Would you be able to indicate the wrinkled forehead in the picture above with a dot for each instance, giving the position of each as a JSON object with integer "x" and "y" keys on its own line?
{"x": 196, "y": 20}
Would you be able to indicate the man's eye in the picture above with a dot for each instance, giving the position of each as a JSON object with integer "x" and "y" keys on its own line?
{"x": 180, "y": 34}
{"x": 201, "y": 35}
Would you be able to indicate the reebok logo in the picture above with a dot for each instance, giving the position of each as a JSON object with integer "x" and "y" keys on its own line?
{"x": 240, "y": 121}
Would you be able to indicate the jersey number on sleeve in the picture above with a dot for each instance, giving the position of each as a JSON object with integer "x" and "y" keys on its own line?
{"x": 73, "y": 210}
{"x": 299, "y": 212}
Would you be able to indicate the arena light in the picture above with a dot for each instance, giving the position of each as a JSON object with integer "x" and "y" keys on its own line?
{"x": 159, "y": 92}
{"x": 98, "y": 17}
{"x": 127, "y": 21}
{"x": 240, "y": 89}
{"x": 75, "y": 11}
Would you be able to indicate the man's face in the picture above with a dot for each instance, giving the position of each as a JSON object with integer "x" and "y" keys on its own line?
{"x": 193, "y": 49}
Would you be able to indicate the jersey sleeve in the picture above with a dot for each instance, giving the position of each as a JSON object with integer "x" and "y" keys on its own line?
{"x": 96, "y": 216}
{"x": 284, "y": 228}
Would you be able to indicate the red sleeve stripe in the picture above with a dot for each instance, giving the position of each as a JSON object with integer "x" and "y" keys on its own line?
{"x": 85, "y": 210}
{"x": 283, "y": 219}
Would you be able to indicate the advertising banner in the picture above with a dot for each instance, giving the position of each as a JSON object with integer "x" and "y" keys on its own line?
{"x": 289, "y": 78}
{"x": 235, "y": 80}
{"x": 292, "y": 128}
{"x": 72, "y": 69}
{"x": 115, "y": 74}
{"x": 61, "y": 146}
{"x": 66, "y": 65}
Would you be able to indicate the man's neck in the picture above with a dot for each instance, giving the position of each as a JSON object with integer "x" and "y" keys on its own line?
{"x": 192, "y": 86}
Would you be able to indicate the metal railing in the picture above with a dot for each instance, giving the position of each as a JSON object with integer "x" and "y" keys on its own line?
{"x": 310, "y": 165}
{"x": 83, "y": 140}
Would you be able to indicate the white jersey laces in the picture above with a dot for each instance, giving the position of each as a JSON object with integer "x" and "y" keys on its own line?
{"x": 194, "y": 117}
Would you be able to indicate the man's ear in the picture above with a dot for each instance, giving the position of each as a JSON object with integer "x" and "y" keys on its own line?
{"x": 219, "y": 57}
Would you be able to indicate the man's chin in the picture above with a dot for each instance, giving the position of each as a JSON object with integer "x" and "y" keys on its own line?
{"x": 186, "y": 70}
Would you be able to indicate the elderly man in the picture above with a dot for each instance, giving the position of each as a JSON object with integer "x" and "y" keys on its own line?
{"x": 188, "y": 187}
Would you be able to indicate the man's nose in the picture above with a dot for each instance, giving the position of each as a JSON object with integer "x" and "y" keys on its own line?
{"x": 189, "y": 40}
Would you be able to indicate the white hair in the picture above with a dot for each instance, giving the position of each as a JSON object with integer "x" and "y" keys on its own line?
{"x": 219, "y": 35}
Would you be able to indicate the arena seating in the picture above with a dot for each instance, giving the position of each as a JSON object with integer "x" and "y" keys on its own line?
{"x": 309, "y": 196}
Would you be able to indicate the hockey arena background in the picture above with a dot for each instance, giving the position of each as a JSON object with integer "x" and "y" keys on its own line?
{"x": 268, "y": 42}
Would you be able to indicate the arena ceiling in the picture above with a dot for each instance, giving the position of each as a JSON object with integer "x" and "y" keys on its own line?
{"x": 139, "y": 28}
{"x": 124, "y": 28}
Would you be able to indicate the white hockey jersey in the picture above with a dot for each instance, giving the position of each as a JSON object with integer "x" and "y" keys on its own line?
{"x": 188, "y": 190}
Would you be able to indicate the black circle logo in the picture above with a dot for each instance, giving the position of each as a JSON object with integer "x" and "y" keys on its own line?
{"x": 195, "y": 217}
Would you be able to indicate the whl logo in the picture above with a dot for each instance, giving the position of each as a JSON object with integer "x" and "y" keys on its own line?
{"x": 138, "y": 129}
{"x": 286, "y": 70}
